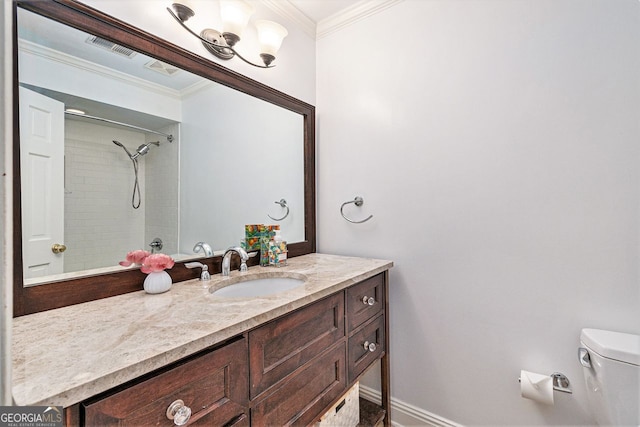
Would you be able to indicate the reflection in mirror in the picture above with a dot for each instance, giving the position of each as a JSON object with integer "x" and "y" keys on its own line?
{"x": 229, "y": 156}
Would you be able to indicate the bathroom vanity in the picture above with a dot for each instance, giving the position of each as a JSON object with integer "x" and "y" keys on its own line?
{"x": 271, "y": 360}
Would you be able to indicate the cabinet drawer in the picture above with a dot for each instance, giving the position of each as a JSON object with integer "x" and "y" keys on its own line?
{"x": 301, "y": 398}
{"x": 280, "y": 347}
{"x": 213, "y": 419}
{"x": 214, "y": 386}
{"x": 360, "y": 306}
{"x": 360, "y": 357}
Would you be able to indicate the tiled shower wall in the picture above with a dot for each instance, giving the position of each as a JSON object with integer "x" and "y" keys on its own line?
{"x": 161, "y": 190}
{"x": 100, "y": 224}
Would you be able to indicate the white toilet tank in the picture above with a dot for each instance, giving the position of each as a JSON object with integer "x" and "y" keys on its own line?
{"x": 613, "y": 380}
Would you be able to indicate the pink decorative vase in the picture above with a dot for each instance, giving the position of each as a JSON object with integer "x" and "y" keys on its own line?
{"x": 157, "y": 282}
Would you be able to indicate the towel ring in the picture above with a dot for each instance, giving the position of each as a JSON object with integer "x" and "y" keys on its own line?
{"x": 283, "y": 204}
{"x": 359, "y": 201}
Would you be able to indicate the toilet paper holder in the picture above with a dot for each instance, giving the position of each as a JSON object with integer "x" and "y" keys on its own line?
{"x": 560, "y": 382}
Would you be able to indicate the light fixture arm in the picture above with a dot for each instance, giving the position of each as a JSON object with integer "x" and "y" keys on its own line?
{"x": 213, "y": 47}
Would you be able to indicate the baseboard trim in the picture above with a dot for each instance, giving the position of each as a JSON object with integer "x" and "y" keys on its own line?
{"x": 405, "y": 414}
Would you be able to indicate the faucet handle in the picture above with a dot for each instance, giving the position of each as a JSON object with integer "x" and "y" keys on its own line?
{"x": 205, "y": 276}
{"x": 243, "y": 263}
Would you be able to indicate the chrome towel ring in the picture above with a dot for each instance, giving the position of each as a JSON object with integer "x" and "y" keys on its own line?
{"x": 283, "y": 204}
{"x": 359, "y": 201}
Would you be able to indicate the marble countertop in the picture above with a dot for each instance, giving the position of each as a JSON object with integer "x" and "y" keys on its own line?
{"x": 63, "y": 356}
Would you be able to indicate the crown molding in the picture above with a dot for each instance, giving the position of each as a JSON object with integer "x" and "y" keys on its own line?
{"x": 196, "y": 88}
{"x": 63, "y": 58}
{"x": 288, "y": 11}
{"x": 352, "y": 14}
{"x": 335, "y": 22}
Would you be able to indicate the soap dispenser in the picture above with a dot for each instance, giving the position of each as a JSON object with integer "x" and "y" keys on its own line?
{"x": 278, "y": 249}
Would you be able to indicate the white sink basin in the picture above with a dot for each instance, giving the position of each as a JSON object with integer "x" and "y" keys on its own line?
{"x": 258, "y": 285}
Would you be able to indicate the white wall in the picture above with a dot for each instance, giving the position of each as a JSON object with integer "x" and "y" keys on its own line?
{"x": 496, "y": 144}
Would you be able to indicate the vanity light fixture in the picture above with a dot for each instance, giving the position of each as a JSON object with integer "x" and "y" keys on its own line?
{"x": 235, "y": 15}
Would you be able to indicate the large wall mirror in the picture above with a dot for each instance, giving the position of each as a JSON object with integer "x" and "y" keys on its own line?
{"x": 125, "y": 141}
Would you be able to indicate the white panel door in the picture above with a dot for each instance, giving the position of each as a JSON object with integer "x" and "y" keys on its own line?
{"x": 42, "y": 171}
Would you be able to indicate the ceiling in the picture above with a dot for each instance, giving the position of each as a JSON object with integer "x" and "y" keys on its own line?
{"x": 317, "y": 10}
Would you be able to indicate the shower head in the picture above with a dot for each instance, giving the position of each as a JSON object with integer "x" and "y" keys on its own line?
{"x": 144, "y": 149}
{"x": 141, "y": 151}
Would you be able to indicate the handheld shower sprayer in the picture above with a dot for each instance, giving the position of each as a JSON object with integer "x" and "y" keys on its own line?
{"x": 119, "y": 144}
{"x": 141, "y": 151}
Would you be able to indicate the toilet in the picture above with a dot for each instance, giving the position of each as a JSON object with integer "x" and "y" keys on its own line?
{"x": 611, "y": 367}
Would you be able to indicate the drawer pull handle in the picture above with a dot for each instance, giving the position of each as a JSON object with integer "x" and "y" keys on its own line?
{"x": 368, "y": 300}
{"x": 370, "y": 346}
{"x": 179, "y": 413}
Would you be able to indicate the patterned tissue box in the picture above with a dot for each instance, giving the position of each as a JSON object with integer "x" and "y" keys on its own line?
{"x": 252, "y": 234}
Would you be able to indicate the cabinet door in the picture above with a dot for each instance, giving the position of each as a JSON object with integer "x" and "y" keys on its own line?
{"x": 280, "y": 347}
{"x": 364, "y": 301}
{"x": 214, "y": 386}
{"x": 302, "y": 397}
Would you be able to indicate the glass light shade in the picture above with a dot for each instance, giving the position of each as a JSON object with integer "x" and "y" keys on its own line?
{"x": 270, "y": 36}
{"x": 188, "y": 3}
{"x": 183, "y": 9}
{"x": 235, "y": 15}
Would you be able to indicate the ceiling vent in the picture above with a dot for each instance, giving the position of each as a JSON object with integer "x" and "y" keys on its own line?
{"x": 162, "y": 68}
{"x": 115, "y": 48}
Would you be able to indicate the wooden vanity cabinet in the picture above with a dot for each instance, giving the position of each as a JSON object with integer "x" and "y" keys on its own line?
{"x": 288, "y": 371}
{"x": 213, "y": 385}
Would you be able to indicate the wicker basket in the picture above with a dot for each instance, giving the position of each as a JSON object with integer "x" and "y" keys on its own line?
{"x": 345, "y": 413}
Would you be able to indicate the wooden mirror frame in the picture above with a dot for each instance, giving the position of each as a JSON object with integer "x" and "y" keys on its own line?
{"x": 33, "y": 299}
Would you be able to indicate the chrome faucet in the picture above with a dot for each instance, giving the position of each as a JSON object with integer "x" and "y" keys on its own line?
{"x": 156, "y": 245}
{"x": 226, "y": 259}
{"x": 205, "y": 248}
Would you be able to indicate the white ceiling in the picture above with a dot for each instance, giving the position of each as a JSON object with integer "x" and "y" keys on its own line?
{"x": 317, "y": 10}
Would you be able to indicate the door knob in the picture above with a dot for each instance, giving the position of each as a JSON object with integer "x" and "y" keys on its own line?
{"x": 58, "y": 248}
